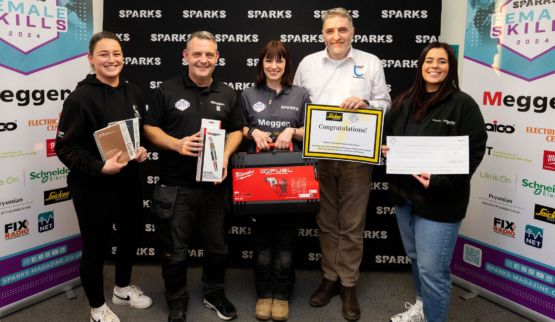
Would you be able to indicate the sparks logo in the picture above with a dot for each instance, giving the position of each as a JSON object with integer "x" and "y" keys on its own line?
{"x": 533, "y": 236}
{"x": 549, "y": 160}
{"x": 46, "y": 221}
{"x": 35, "y": 35}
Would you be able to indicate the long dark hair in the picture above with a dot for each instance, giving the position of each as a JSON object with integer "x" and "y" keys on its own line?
{"x": 416, "y": 93}
{"x": 274, "y": 49}
{"x": 99, "y": 36}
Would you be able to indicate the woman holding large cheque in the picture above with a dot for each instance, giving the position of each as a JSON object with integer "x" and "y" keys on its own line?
{"x": 430, "y": 207}
{"x": 273, "y": 111}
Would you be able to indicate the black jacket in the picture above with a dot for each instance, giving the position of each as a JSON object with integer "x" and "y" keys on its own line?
{"x": 447, "y": 197}
{"x": 90, "y": 107}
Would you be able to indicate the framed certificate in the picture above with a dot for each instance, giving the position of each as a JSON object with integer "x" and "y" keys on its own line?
{"x": 338, "y": 134}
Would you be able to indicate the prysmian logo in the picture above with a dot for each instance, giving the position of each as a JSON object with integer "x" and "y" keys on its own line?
{"x": 56, "y": 195}
{"x": 544, "y": 213}
{"x": 334, "y": 116}
{"x": 7, "y": 126}
{"x": 504, "y": 227}
{"x": 46, "y": 221}
{"x": 549, "y": 160}
{"x": 27, "y": 25}
{"x": 539, "y": 189}
{"x": 500, "y": 128}
{"x": 16, "y": 229}
{"x": 522, "y": 102}
{"x": 533, "y": 236}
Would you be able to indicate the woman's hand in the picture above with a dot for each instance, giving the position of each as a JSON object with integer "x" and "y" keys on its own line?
{"x": 423, "y": 178}
{"x": 112, "y": 166}
{"x": 284, "y": 139}
{"x": 262, "y": 139}
{"x": 142, "y": 154}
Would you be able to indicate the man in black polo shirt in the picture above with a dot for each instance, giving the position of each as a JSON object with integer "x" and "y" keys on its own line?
{"x": 173, "y": 124}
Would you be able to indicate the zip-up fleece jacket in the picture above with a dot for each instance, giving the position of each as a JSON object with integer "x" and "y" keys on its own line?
{"x": 447, "y": 197}
{"x": 91, "y": 107}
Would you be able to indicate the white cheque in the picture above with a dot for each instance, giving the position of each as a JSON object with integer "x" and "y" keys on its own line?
{"x": 433, "y": 154}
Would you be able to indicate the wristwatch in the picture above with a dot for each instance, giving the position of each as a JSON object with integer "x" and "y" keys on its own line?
{"x": 251, "y": 129}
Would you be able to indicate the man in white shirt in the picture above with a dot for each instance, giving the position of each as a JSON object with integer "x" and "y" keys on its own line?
{"x": 352, "y": 79}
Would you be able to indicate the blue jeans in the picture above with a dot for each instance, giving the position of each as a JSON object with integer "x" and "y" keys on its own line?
{"x": 429, "y": 245}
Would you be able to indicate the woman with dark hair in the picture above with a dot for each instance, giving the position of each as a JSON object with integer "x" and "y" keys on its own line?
{"x": 273, "y": 111}
{"x": 430, "y": 207}
{"x": 107, "y": 192}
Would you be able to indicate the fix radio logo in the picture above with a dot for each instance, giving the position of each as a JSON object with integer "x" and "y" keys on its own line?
{"x": 8, "y": 126}
{"x": 504, "y": 227}
{"x": 16, "y": 229}
{"x": 496, "y": 127}
{"x": 549, "y": 160}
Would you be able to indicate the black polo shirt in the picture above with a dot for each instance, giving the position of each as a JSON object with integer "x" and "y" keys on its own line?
{"x": 177, "y": 107}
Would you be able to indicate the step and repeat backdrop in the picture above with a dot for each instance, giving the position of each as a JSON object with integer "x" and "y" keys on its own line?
{"x": 154, "y": 35}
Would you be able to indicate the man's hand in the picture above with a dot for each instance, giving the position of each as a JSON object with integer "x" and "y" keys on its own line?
{"x": 423, "y": 178}
{"x": 142, "y": 154}
{"x": 353, "y": 103}
{"x": 224, "y": 171}
{"x": 112, "y": 166}
{"x": 190, "y": 145}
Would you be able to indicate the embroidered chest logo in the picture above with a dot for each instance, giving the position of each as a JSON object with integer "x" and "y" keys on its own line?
{"x": 219, "y": 105}
{"x": 258, "y": 107}
{"x": 358, "y": 71}
{"x": 182, "y": 105}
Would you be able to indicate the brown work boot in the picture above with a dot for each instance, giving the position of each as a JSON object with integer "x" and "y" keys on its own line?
{"x": 324, "y": 293}
{"x": 280, "y": 310}
{"x": 351, "y": 309}
{"x": 263, "y": 309}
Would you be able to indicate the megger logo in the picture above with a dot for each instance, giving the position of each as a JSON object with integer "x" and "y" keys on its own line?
{"x": 539, "y": 103}
{"x": 332, "y": 116}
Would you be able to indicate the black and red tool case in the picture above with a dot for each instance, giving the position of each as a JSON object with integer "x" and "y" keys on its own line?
{"x": 274, "y": 183}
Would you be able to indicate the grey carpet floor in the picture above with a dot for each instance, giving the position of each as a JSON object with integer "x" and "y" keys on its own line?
{"x": 381, "y": 295}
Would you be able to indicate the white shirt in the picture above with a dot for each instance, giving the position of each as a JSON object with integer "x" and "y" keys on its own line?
{"x": 330, "y": 81}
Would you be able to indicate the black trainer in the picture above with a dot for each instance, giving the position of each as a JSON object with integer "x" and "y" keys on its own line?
{"x": 217, "y": 301}
{"x": 177, "y": 316}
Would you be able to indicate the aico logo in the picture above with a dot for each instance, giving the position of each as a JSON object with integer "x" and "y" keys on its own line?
{"x": 46, "y": 221}
{"x": 549, "y": 160}
{"x": 499, "y": 128}
{"x": 16, "y": 229}
{"x": 50, "y": 145}
{"x": 504, "y": 227}
{"x": 27, "y": 25}
{"x": 56, "y": 195}
{"x": 544, "y": 213}
{"x": 333, "y": 116}
{"x": 539, "y": 103}
{"x": 533, "y": 236}
{"x": 8, "y": 126}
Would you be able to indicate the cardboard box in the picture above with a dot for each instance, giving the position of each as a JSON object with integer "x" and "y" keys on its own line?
{"x": 210, "y": 160}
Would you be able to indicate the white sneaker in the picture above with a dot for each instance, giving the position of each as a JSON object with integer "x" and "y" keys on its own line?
{"x": 103, "y": 314}
{"x": 414, "y": 313}
{"x": 131, "y": 295}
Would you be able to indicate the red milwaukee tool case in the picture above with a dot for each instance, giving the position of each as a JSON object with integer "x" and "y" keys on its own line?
{"x": 273, "y": 183}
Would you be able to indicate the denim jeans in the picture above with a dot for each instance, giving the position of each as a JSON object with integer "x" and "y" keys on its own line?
{"x": 429, "y": 245}
{"x": 274, "y": 242}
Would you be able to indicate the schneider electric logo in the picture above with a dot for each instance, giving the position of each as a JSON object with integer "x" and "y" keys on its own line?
{"x": 45, "y": 176}
{"x": 539, "y": 189}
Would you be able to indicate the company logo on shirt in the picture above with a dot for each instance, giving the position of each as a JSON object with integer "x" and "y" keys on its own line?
{"x": 258, "y": 107}
{"x": 549, "y": 160}
{"x": 358, "y": 71}
{"x": 182, "y": 105}
{"x": 46, "y": 221}
{"x": 533, "y": 236}
{"x": 544, "y": 213}
{"x": 504, "y": 227}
